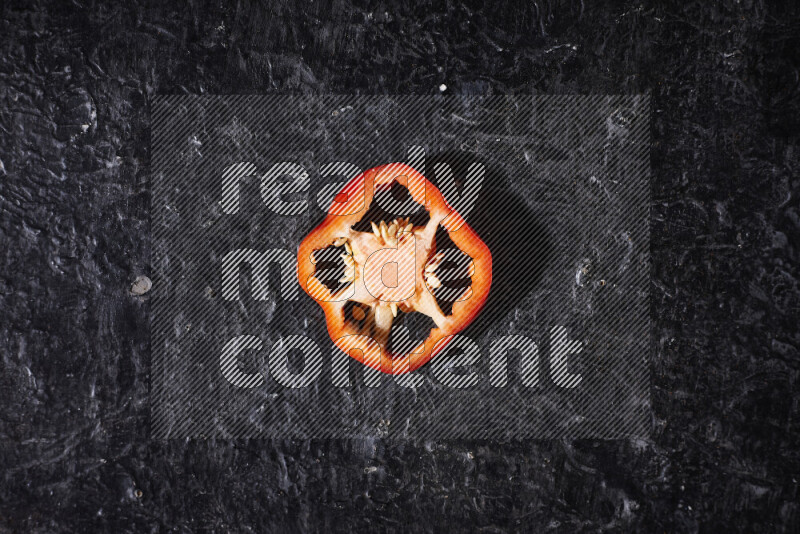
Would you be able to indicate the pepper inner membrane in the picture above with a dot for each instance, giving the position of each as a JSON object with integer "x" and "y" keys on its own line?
{"x": 376, "y": 312}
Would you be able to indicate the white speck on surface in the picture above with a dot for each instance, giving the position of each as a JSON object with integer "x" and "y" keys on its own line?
{"x": 141, "y": 285}
{"x": 442, "y": 88}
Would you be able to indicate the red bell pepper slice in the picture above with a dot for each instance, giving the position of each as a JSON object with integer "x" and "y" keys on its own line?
{"x": 392, "y": 270}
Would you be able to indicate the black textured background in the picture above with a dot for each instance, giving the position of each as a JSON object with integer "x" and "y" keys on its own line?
{"x": 75, "y": 78}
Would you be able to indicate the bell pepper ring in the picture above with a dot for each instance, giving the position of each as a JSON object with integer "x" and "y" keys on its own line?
{"x": 392, "y": 270}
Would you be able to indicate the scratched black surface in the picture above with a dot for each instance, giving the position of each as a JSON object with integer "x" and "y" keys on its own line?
{"x": 74, "y": 140}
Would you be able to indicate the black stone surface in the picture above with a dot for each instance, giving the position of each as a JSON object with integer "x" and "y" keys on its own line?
{"x": 75, "y": 78}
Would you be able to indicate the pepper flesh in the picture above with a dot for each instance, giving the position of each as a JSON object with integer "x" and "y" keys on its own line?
{"x": 386, "y": 292}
